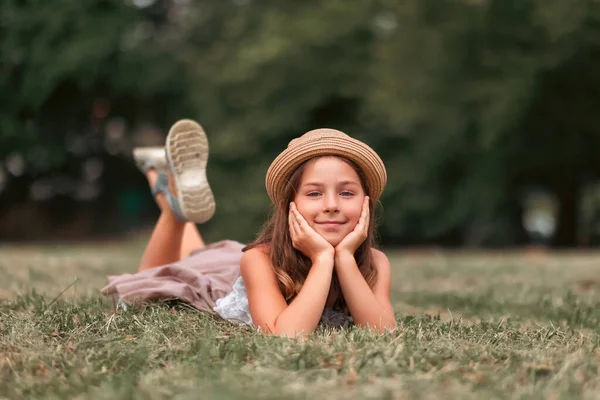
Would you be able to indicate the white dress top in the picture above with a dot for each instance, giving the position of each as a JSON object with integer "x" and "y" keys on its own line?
{"x": 234, "y": 307}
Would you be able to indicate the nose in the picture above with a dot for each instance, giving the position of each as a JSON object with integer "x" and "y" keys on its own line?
{"x": 331, "y": 204}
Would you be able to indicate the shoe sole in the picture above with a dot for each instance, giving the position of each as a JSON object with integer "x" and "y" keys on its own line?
{"x": 187, "y": 154}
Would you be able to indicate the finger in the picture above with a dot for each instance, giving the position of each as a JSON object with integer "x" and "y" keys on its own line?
{"x": 302, "y": 224}
{"x": 363, "y": 221}
{"x": 297, "y": 226}
{"x": 296, "y": 213}
{"x": 294, "y": 220}
{"x": 367, "y": 214}
{"x": 294, "y": 210}
{"x": 292, "y": 224}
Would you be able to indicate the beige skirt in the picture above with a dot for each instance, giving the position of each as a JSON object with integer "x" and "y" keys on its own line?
{"x": 200, "y": 279}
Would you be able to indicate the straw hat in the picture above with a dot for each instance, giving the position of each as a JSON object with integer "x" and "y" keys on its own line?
{"x": 325, "y": 142}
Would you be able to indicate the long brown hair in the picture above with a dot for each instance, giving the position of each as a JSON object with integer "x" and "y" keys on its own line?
{"x": 290, "y": 265}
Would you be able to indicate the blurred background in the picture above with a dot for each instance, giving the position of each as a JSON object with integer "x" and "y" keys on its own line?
{"x": 485, "y": 112}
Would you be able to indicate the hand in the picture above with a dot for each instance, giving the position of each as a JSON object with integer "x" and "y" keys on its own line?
{"x": 357, "y": 236}
{"x": 306, "y": 239}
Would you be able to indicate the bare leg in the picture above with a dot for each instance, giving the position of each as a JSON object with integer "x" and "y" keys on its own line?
{"x": 191, "y": 240}
{"x": 171, "y": 240}
{"x": 165, "y": 242}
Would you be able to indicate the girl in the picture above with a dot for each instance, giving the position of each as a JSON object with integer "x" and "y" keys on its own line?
{"x": 314, "y": 261}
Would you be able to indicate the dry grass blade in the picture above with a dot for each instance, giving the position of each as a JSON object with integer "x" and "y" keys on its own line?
{"x": 469, "y": 326}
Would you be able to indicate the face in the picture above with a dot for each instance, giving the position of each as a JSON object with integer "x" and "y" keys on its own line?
{"x": 330, "y": 197}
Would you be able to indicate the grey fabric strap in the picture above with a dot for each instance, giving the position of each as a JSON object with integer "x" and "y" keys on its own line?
{"x": 162, "y": 186}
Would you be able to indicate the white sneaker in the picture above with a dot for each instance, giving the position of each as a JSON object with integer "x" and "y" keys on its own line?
{"x": 150, "y": 157}
{"x": 187, "y": 156}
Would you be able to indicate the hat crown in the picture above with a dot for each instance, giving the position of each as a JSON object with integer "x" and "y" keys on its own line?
{"x": 316, "y": 134}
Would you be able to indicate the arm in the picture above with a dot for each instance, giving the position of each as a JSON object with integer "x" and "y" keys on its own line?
{"x": 268, "y": 307}
{"x": 368, "y": 307}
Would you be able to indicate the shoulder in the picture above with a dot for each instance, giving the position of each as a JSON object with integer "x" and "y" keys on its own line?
{"x": 384, "y": 270}
{"x": 381, "y": 261}
{"x": 255, "y": 258}
{"x": 379, "y": 257}
{"x": 258, "y": 274}
{"x": 258, "y": 251}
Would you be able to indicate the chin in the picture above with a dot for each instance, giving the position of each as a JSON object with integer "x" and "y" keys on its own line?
{"x": 334, "y": 237}
{"x": 333, "y": 240}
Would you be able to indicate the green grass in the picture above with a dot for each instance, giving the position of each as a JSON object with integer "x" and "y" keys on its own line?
{"x": 487, "y": 325}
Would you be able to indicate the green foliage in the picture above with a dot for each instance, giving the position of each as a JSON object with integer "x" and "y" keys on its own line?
{"x": 458, "y": 79}
{"x": 466, "y": 100}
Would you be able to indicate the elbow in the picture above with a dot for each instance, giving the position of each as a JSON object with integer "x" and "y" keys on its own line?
{"x": 278, "y": 328}
{"x": 389, "y": 326}
{"x": 386, "y": 327}
{"x": 389, "y": 321}
{"x": 381, "y": 326}
{"x": 289, "y": 333}
{"x": 293, "y": 334}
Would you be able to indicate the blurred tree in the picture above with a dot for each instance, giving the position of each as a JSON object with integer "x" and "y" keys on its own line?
{"x": 491, "y": 96}
{"x": 77, "y": 79}
{"x": 469, "y": 102}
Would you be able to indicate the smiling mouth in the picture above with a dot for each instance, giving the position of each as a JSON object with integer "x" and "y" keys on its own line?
{"x": 330, "y": 223}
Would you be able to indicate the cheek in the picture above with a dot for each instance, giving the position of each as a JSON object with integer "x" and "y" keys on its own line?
{"x": 304, "y": 208}
{"x": 353, "y": 211}
{"x": 354, "y": 219}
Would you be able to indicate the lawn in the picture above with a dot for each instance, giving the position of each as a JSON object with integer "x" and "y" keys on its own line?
{"x": 470, "y": 325}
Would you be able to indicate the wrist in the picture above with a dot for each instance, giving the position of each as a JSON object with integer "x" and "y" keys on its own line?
{"x": 343, "y": 255}
{"x": 323, "y": 257}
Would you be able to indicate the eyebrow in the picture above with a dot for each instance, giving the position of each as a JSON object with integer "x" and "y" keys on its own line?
{"x": 318, "y": 184}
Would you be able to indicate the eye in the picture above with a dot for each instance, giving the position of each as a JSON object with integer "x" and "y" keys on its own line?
{"x": 347, "y": 193}
{"x": 313, "y": 194}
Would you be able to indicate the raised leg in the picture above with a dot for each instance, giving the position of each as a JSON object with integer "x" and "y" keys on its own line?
{"x": 189, "y": 196}
{"x": 191, "y": 240}
{"x": 171, "y": 240}
{"x": 165, "y": 242}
